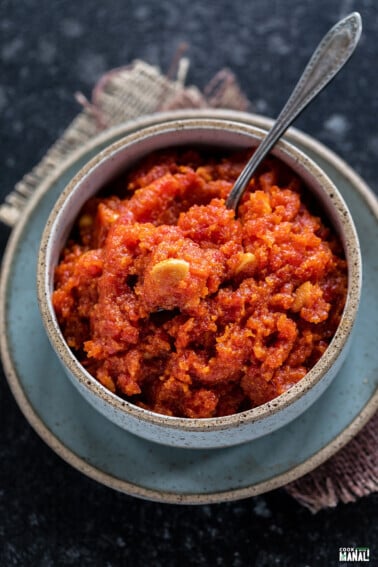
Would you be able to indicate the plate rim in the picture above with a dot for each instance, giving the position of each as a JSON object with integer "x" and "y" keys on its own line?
{"x": 68, "y": 455}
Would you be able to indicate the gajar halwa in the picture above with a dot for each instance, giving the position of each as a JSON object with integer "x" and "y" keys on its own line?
{"x": 178, "y": 306}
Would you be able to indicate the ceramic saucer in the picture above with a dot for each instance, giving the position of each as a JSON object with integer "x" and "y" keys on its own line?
{"x": 101, "y": 450}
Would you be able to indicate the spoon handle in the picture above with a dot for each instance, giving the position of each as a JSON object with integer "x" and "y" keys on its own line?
{"x": 329, "y": 57}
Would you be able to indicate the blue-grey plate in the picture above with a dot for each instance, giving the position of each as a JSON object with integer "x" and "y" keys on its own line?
{"x": 101, "y": 450}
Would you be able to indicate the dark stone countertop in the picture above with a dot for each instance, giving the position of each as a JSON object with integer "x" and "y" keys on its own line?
{"x": 50, "y": 514}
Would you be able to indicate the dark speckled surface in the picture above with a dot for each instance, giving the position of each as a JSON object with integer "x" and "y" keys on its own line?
{"x": 49, "y": 513}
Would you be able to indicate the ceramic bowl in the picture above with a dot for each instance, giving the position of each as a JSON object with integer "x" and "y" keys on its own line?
{"x": 209, "y": 432}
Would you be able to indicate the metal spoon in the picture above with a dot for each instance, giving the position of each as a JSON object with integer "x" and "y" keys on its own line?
{"x": 329, "y": 57}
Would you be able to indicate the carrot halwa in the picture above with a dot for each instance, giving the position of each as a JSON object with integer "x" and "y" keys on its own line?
{"x": 180, "y": 307}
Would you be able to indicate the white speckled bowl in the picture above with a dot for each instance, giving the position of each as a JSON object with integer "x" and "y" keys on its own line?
{"x": 184, "y": 432}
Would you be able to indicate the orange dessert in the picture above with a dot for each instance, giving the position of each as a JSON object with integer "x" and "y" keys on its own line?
{"x": 178, "y": 306}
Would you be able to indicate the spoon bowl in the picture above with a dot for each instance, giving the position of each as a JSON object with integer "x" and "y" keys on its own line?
{"x": 210, "y": 432}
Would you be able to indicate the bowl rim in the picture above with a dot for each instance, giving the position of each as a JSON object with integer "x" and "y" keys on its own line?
{"x": 259, "y": 413}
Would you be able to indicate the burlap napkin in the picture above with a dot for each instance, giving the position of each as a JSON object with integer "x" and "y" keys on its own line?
{"x": 130, "y": 92}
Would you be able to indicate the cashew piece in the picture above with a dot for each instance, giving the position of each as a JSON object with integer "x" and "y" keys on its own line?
{"x": 169, "y": 272}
